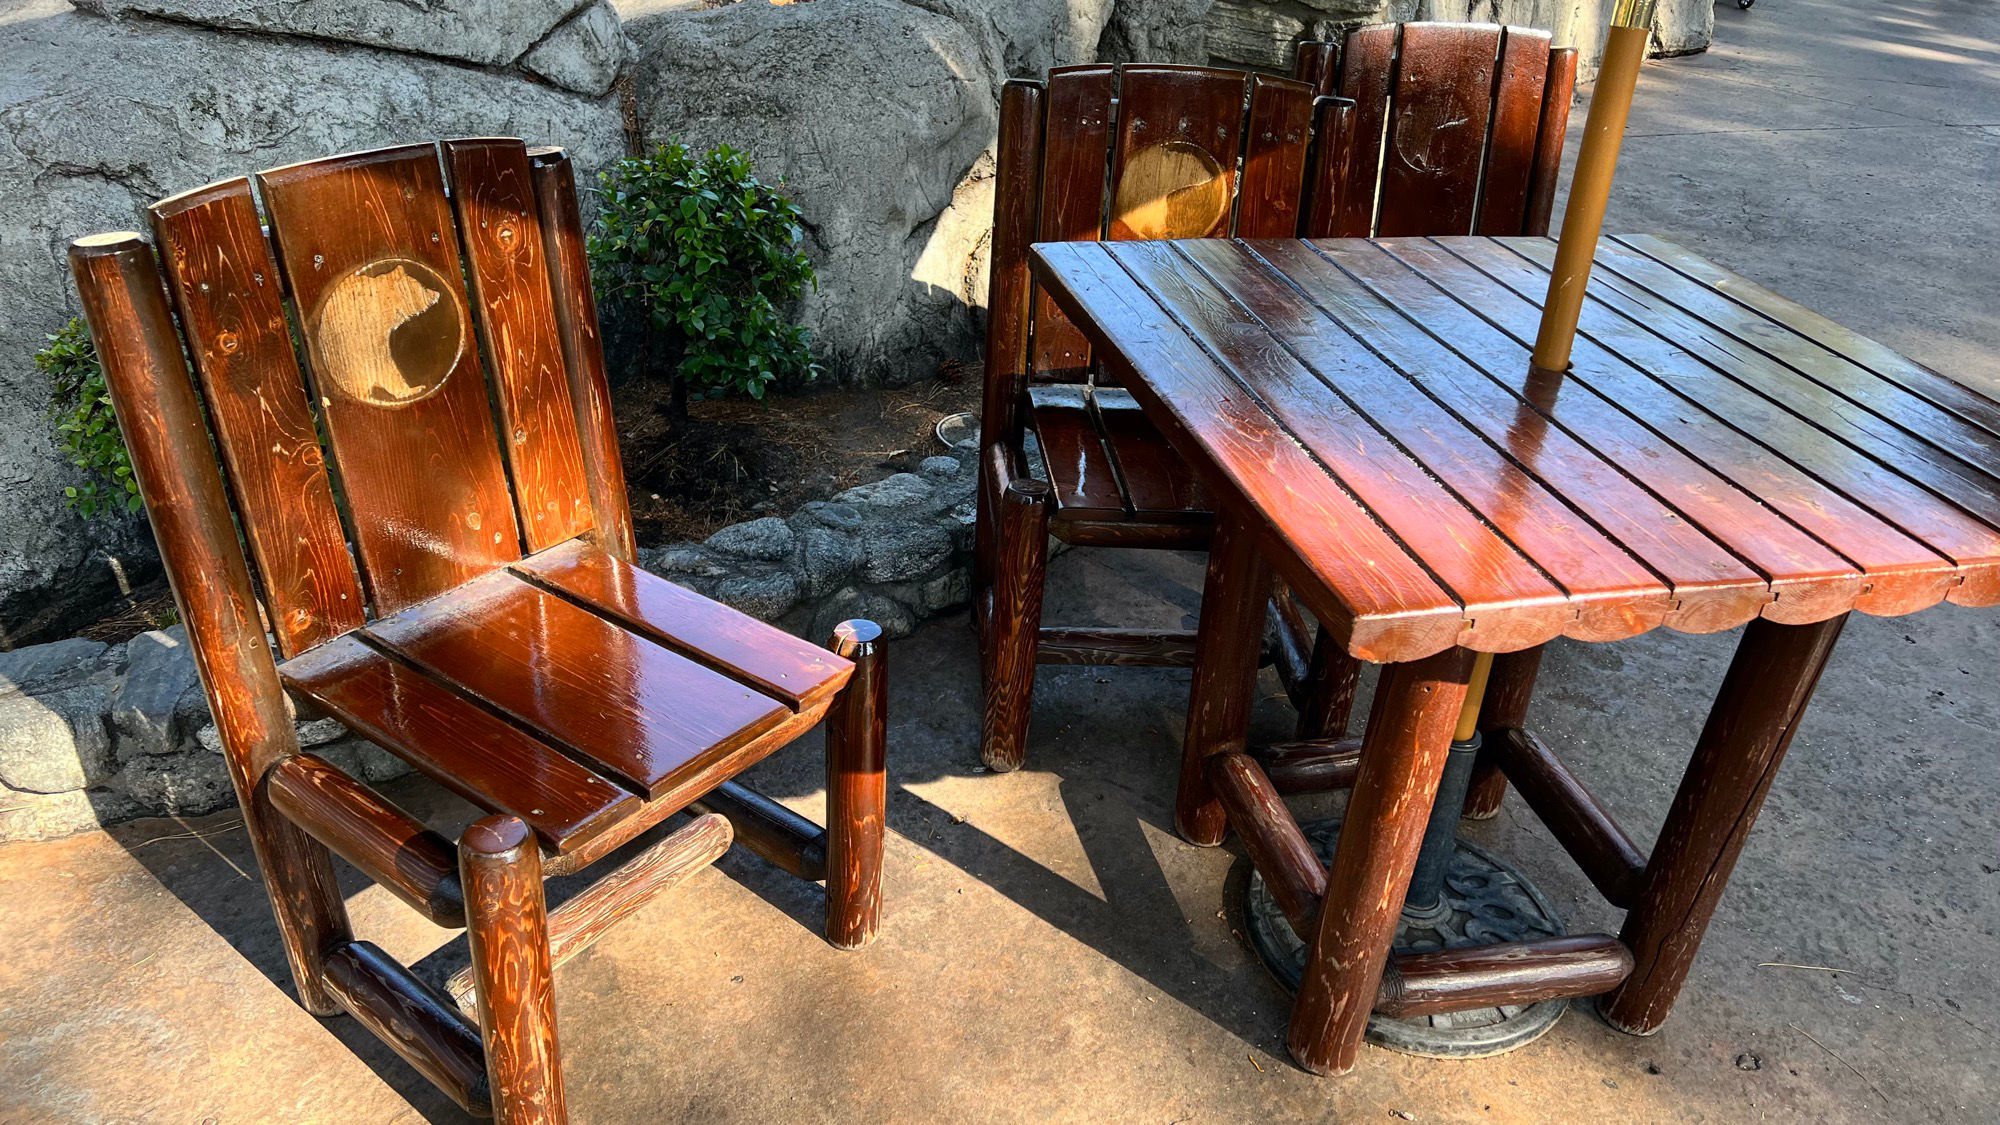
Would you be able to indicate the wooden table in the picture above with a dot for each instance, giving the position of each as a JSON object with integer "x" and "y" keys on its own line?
{"x": 1366, "y": 414}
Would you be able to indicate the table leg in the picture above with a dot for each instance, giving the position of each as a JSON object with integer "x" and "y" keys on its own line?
{"x": 1403, "y": 752}
{"x": 1749, "y": 728}
{"x": 1231, "y": 639}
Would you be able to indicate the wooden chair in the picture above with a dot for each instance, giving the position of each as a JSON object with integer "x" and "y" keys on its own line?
{"x": 461, "y": 594}
{"x": 1473, "y": 117}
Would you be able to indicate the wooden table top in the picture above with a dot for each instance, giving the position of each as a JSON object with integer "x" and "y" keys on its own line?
{"x": 1715, "y": 454}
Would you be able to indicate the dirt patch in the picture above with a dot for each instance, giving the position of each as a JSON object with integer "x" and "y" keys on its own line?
{"x": 739, "y": 460}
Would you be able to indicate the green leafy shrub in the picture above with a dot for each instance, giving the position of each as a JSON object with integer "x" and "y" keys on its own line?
{"x": 80, "y": 410}
{"x": 708, "y": 254}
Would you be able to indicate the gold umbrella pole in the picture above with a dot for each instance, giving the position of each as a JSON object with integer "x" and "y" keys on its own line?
{"x": 1590, "y": 184}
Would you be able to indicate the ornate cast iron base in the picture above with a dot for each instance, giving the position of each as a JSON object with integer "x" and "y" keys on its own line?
{"x": 1485, "y": 901}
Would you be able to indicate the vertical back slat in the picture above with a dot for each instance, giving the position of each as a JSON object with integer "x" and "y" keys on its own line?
{"x": 1318, "y": 65}
{"x": 1075, "y": 155}
{"x": 1557, "y": 91}
{"x": 1017, "y": 195}
{"x": 1333, "y": 146}
{"x": 1173, "y": 169}
{"x": 370, "y": 252}
{"x": 583, "y": 349}
{"x": 501, "y": 229}
{"x": 225, "y": 283}
{"x": 1367, "y": 68}
{"x": 1275, "y": 146}
{"x": 1437, "y": 129}
{"x": 1517, "y": 116}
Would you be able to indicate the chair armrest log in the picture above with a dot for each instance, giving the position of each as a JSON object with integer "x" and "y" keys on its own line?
{"x": 391, "y": 847}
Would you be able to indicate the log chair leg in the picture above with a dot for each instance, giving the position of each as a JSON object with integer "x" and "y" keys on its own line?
{"x": 1331, "y": 679}
{"x": 1763, "y": 697}
{"x": 1014, "y": 625}
{"x": 1508, "y": 690}
{"x": 1409, "y": 735}
{"x": 857, "y": 793}
{"x": 305, "y": 898}
{"x": 1225, "y": 673}
{"x": 507, "y": 926}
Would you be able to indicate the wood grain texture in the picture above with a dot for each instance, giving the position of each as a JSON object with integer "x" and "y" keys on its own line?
{"x": 1118, "y": 647}
{"x": 226, "y": 288}
{"x": 1232, "y": 636}
{"x": 507, "y": 259}
{"x": 638, "y": 710}
{"x": 780, "y": 836}
{"x": 857, "y": 794}
{"x": 1268, "y": 473}
{"x": 1317, "y": 64}
{"x": 1520, "y": 82}
{"x": 731, "y": 642}
{"x": 473, "y": 752}
{"x": 1076, "y": 152}
{"x": 1367, "y": 75}
{"x": 1332, "y": 678}
{"x": 1083, "y": 482}
{"x": 1558, "y": 90}
{"x": 1017, "y": 199}
{"x": 1749, "y": 728}
{"x": 578, "y": 923}
{"x": 371, "y": 257}
{"x": 1327, "y": 183}
{"x": 1525, "y": 972}
{"x": 508, "y": 933}
{"x": 1276, "y": 139}
{"x": 1278, "y": 849}
{"x": 1013, "y": 628}
{"x": 1409, "y": 734}
{"x": 1510, "y": 686}
{"x": 413, "y": 1019}
{"x": 158, "y": 413}
{"x": 1436, "y": 131}
{"x": 1174, "y": 154}
{"x": 1316, "y": 765}
{"x": 1712, "y": 587}
{"x": 387, "y": 844}
{"x": 582, "y": 348}
{"x": 1903, "y": 539}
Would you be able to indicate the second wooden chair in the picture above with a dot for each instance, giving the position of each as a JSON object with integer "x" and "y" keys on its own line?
{"x": 1438, "y": 129}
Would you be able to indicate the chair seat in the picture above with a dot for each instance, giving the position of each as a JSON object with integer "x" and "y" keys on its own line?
{"x": 1108, "y": 465}
{"x": 572, "y": 690}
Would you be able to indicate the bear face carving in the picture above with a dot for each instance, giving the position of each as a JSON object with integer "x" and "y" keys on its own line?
{"x": 389, "y": 333}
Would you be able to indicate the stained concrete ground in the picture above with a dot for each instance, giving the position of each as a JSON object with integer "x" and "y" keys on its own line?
{"x": 1053, "y": 952}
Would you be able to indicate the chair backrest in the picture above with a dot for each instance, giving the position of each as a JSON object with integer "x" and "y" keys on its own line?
{"x": 1456, "y": 129}
{"x": 1132, "y": 151}
{"x": 451, "y": 410}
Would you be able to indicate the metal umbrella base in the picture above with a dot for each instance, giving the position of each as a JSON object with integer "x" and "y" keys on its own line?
{"x": 1484, "y": 900}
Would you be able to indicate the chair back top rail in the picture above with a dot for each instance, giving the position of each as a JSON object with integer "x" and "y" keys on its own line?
{"x": 1436, "y": 129}
{"x": 389, "y": 437}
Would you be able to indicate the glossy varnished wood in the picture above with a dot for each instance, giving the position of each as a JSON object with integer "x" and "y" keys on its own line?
{"x": 391, "y": 847}
{"x": 507, "y": 261}
{"x": 729, "y": 641}
{"x": 1232, "y": 620}
{"x": 1438, "y": 117}
{"x": 507, "y": 931}
{"x": 1076, "y": 151}
{"x": 582, "y": 348}
{"x": 1459, "y": 979}
{"x": 1275, "y": 142}
{"x": 413, "y": 1019}
{"x": 226, "y": 287}
{"x": 371, "y": 255}
{"x": 771, "y": 830}
{"x": 125, "y": 302}
{"x": 637, "y": 709}
{"x": 465, "y": 747}
{"x": 857, "y": 796}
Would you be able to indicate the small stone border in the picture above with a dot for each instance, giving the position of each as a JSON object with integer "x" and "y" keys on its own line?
{"x": 92, "y": 734}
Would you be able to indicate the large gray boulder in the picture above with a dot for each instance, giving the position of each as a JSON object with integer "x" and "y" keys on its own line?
{"x": 490, "y": 32}
{"x": 99, "y": 117}
{"x": 873, "y": 113}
